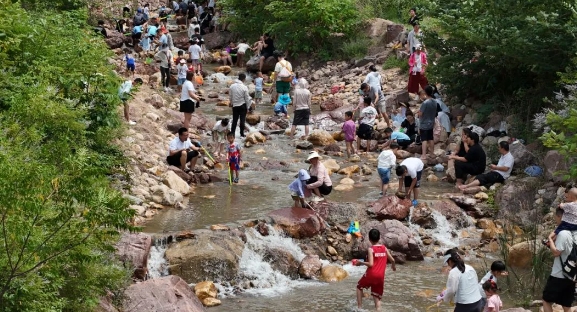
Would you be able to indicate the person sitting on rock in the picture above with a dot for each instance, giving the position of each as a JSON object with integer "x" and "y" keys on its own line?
{"x": 498, "y": 174}
{"x": 472, "y": 163}
{"x": 409, "y": 126}
{"x": 366, "y": 123}
{"x": 266, "y": 50}
{"x": 181, "y": 151}
{"x": 320, "y": 182}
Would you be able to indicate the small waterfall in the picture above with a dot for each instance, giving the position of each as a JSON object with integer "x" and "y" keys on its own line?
{"x": 157, "y": 264}
{"x": 442, "y": 233}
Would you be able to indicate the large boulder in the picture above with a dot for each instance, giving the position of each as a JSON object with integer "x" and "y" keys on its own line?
{"x": 162, "y": 194}
{"x": 331, "y": 103}
{"x": 133, "y": 250}
{"x": 396, "y": 236}
{"x": 298, "y": 222}
{"x": 206, "y": 292}
{"x": 331, "y": 165}
{"x": 340, "y": 213}
{"x": 422, "y": 215}
{"x": 183, "y": 175}
{"x": 283, "y": 261}
{"x": 390, "y": 207}
{"x": 207, "y": 256}
{"x": 267, "y": 66}
{"x": 523, "y": 157}
{"x": 115, "y": 39}
{"x": 521, "y": 255}
{"x": 338, "y": 114}
{"x": 333, "y": 273}
{"x": 556, "y": 165}
{"x": 321, "y": 138}
{"x": 217, "y": 39}
{"x": 310, "y": 267}
{"x": 515, "y": 201}
{"x": 175, "y": 182}
{"x": 451, "y": 212}
{"x": 169, "y": 293}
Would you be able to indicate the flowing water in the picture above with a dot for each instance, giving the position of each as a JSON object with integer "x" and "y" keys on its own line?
{"x": 412, "y": 287}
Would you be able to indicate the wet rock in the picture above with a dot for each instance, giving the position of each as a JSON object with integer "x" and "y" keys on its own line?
{"x": 338, "y": 114}
{"x": 212, "y": 95}
{"x": 211, "y": 302}
{"x": 115, "y": 39}
{"x": 331, "y": 165}
{"x": 172, "y": 180}
{"x": 219, "y": 227}
{"x": 338, "y": 136}
{"x": 223, "y": 69}
{"x": 343, "y": 187}
{"x": 555, "y": 166}
{"x": 206, "y": 290}
{"x": 390, "y": 207}
{"x": 333, "y": 273}
{"x": 162, "y": 194}
{"x": 348, "y": 171}
{"x": 252, "y": 65}
{"x": 298, "y": 222}
{"x": 201, "y": 177}
{"x": 521, "y": 255}
{"x": 159, "y": 293}
{"x": 262, "y": 229}
{"x": 276, "y": 123}
{"x": 451, "y": 212}
{"x": 402, "y": 154}
{"x": 252, "y": 119}
{"x": 332, "y": 148}
{"x": 283, "y": 261}
{"x": 396, "y": 236}
{"x": 304, "y": 145}
{"x": 423, "y": 216}
{"x": 133, "y": 250}
{"x": 451, "y": 177}
{"x": 464, "y": 202}
{"x": 340, "y": 213}
{"x": 218, "y": 40}
{"x": 207, "y": 256}
{"x": 321, "y": 138}
{"x": 366, "y": 170}
{"x": 173, "y": 127}
{"x": 255, "y": 138}
{"x": 270, "y": 165}
{"x": 310, "y": 267}
{"x": 331, "y": 103}
{"x": 523, "y": 157}
{"x": 225, "y": 103}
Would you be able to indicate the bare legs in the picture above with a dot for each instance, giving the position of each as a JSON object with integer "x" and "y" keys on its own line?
{"x": 187, "y": 117}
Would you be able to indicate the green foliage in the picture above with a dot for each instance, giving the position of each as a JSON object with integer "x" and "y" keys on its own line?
{"x": 508, "y": 51}
{"x": 299, "y": 25}
{"x": 394, "y": 62}
{"x": 58, "y": 214}
{"x": 394, "y": 10}
{"x": 354, "y": 48}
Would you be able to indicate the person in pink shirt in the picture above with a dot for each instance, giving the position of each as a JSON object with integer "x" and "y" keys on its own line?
{"x": 320, "y": 182}
{"x": 349, "y": 130}
{"x": 494, "y": 303}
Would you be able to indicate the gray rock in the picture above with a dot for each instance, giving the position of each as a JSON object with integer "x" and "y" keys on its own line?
{"x": 169, "y": 293}
{"x": 133, "y": 199}
{"x": 304, "y": 145}
{"x": 523, "y": 157}
{"x": 253, "y": 64}
{"x": 133, "y": 250}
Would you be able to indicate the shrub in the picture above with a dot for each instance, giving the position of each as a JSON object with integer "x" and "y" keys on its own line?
{"x": 394, "y": 62}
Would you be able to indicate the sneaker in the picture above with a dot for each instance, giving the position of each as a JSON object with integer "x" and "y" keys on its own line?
{"x": 132, "y": 123}
{"x": 317, "y": 199}
{"x": 235, "y": 180}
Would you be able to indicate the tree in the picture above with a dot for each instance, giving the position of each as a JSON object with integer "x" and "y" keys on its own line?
{"x": 506, "y": 52}
{"x": 59, "y": 215}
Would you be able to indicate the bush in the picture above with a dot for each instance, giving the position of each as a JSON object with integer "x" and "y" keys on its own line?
{"x": 354, "y": 48}
{"x": 394, "y": 62}
{"x": 59, "y": 216}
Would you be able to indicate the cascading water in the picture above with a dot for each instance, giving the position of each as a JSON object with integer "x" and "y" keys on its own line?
{"x": 444, "y": 232}
{"x": 157, "y": 264}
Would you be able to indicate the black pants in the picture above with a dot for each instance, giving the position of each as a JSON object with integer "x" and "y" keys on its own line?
{"x": 164, "y": 76}
{"x": 238, "y": 111}
{"x": 462, "y": 169}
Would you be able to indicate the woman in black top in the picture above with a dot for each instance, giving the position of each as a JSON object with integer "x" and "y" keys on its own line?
{"x": 409, "y": 125}
{"x": 414, "y": 17}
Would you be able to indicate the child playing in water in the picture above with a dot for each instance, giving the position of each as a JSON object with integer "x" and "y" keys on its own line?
{"x": 219, "y": 135}
{"x": 349, "y": 130}
{"x": 258, "y": 84}
{"x": 494, "y": 303}
{"x": 280, "y": 106}
{"x": 234, "y": 155}
{"x": 385, "y": 162}
{"x": 297, "y": 188}
{"x": 376, "y": 265}
{"x": 130, "y": 63}
{"x": 498, "y": 269}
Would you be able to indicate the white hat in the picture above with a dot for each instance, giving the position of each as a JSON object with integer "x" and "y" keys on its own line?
{"x": 446, "y": 258}
{"x": 182, "y": 61}
{"x": 313, "y": 155}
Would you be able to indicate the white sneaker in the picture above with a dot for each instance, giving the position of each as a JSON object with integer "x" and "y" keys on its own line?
{"x": 317, "y": 199}
{"x": 132, "y": 123}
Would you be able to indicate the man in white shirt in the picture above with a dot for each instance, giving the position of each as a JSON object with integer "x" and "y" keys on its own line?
{"x": 181, "y": 150}
{"x": 559, "y": 290}
{"x": 498, "y": 174}
{"x": 366, "y": 122}
{"x": 414, "y": 38}
{"x": 410, "y": 172}
{"x": 239, "y": 101}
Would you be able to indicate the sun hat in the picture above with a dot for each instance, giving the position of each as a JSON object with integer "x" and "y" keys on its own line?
{"x": 418, "y": 47}
{"x": 304, "y": 175}
{"x": 446, "y": 258}
{"x": 284, "y": 99}
{"x": 313, "y": 155}
{"x": 182, "y": 61}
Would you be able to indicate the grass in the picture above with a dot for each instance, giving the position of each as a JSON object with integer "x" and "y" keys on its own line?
{"x": 394, "y": 62}
{"x": 355, "y": 48}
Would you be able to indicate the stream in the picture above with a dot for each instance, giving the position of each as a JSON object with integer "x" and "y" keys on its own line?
{"x": 412, "y": 287}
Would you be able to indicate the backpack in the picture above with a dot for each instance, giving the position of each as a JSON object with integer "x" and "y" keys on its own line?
{"x": 285, "y": 74}
{"x": 570, "y": 263}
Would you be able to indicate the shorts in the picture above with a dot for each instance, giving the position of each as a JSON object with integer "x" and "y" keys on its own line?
{"x": 490, "y": 178}
{"x": 323, "y": 189}
{"x": 265, "y": 54}
{"x": 365, "y": 132}
{"x": 195, "y": 62}
{"x": 560, "y": 291}
{"x": 384, "y": 174}
{"x": 174, "y": 160}
{"x": 283, "y": 87}
{"x": 404, "y": 143}
{"x": 219, "y": 137}
{"x": 180, "y": 81}
{"x": 302, "y": 117}
{"x": 295, "y": 195}
{"x": 377, "y": 286}
{"x": 409, "y": 180}
{"x": 187, "y": 106}
{"x": 130, "y": 67}
{"x": 426, "y": 135}
{"x": 234, "y": 163}
{"x": 381, "y": 107}
{"x": 468, "y": 307}
{"x": 258, "y": 94}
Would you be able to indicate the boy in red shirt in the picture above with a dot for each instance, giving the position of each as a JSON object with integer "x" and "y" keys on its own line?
{"x": 376, "y": 265}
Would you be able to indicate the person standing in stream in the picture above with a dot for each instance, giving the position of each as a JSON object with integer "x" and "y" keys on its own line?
{"x": 239, "y": 101}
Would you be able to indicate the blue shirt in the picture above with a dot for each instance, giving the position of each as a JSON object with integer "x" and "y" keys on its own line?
{"x": 280, "y": 108}
{"x": 298, "y": 187}
{"x": 258, "y": 84}
{"x": 152, "y": 30}
{"x": 396, "y": 135}
{"x": 163, "y": 39}
{"x": 137, "y": 29}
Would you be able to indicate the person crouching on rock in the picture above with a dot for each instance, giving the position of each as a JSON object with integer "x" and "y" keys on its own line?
{"x": 280, "y": 108}
{"x": 320, "y": 182}
{"x": 298, "y": 187}
{"x": 182, "y": 150}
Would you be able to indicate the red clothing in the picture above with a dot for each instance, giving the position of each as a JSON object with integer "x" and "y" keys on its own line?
{"x": 415, "y": 81}
{"x": 375, "y": 275}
